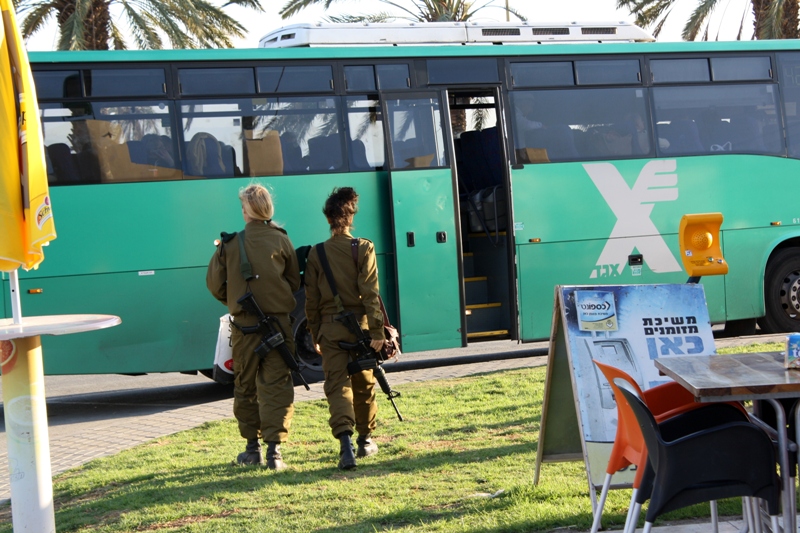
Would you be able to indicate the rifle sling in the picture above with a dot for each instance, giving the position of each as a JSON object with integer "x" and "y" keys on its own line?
{"x": 326, "y": 267}
{"x": 244, "y": 265}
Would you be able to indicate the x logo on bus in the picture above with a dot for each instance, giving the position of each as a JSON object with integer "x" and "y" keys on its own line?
{"x": 657, "y": 182}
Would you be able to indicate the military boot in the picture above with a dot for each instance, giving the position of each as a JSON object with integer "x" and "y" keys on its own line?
{"x": 347, "y": 461}
{"x": 251, "y": 454}
{"x": 274, "y": 457}
{"x": 366, "y": 446}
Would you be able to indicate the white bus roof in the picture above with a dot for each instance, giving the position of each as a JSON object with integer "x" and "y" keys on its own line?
{"x": 458, "y": 33}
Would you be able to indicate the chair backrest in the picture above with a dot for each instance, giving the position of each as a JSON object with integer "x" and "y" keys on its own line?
{"x": 63, "y": 161}
{"x": 557, "y": 139}
{"x": 292, "y": 154}
{"x": 644, "y": 418}
{"x": 629, "y": 447}
{"x": 683, "y": 137}
{"x": 358, "y": 156}
{"x": 325, "y": 152}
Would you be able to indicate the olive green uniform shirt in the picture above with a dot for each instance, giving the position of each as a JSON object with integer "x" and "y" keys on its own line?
{"x": 273, "y": 261}
{"x": 357, "y": 287}
{"x": 263, "y": 391}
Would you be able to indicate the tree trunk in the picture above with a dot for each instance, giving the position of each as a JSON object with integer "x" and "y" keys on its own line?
{"x": 96, "y": 34}
{"x": 789, "y": 22}
{"x": 789, "y": 26}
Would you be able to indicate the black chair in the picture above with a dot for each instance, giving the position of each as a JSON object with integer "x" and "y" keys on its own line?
{"x": 725, "y": 461}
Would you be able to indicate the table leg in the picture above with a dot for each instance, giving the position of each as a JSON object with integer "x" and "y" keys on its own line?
{"x": 27, "y": 436}
{"x": 787, "y": 480}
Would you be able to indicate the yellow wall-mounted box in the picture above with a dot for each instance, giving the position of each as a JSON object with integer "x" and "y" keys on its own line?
{"x": 700, "y": 247}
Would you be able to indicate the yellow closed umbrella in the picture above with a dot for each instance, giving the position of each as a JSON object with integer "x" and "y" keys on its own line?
{"x": 26, "y": 213}
{"x": 26, "y": 224}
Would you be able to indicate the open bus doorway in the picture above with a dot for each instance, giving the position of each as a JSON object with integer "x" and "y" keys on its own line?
{"x": 482, "y": 176}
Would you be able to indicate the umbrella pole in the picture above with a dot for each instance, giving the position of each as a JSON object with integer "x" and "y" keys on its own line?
{"x": 16, "y": 308}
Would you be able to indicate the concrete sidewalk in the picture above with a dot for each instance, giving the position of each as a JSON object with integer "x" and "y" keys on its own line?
{"x": 72, "y": 445}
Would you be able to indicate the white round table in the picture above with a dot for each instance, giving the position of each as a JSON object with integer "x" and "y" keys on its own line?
{"x": 26, "y": 415}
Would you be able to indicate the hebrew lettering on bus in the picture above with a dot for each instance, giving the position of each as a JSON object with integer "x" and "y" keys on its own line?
{"x": 634, "y": 230}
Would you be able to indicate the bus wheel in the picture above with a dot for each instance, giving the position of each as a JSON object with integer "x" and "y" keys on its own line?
{"x": 306, "y": 353}
{"x": 781, "y": 292}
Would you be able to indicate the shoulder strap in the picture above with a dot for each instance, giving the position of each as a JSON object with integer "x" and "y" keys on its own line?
{"x": 244, "y": 263}
{"x": 326, "y": 266}
{"x": 354, "y": 250}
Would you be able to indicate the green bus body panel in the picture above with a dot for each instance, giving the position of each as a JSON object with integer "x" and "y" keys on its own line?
{"x": 163, "y": 316}
{"x": 379, "y": 52}
{"x": 429, "y": 298}
{"x": 561, "y": 205}
{"x": 119, "y": 251}
{"x": 157, "y": 225}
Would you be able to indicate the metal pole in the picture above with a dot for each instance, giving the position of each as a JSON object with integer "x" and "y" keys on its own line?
{"x": 28, "y": 440}
{"x": 16, "y": 308}
{"x": 508, "y": 19}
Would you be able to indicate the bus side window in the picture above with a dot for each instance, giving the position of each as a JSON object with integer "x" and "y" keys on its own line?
{"x": 789, "y": 75}
{"x": 718, "y": 119}
{"x": 365, "y": 146}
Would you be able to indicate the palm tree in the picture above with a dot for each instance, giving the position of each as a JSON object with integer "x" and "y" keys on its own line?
{"x": 417, "y": 10}
{"x": 91, "y": 24}
{"x": 774, "y": 19}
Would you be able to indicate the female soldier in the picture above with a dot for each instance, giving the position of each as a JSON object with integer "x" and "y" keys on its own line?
{"x": 263, "y": 391}
{"x": 351, "y": 399}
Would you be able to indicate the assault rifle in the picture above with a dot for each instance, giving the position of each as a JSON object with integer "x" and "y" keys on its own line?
{"x": 272, "y": 339}
{"x": 366, "y": 358}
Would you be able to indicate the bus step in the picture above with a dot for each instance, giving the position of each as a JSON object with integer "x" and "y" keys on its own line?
{"x": 483, "y": 234}
{"x": 484, "y": 334}
{"x": 486, "y": 317}
{"x": 477, "y": 289}
{"x": 468, "y": 263}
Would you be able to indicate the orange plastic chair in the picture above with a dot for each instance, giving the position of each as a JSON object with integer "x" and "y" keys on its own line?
{"x": 664, "y": 401}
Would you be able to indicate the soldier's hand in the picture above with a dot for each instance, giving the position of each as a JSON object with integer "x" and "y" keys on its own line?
{"x": 376, "y": 345}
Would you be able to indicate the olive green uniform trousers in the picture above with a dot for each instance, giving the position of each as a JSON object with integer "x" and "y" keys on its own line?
{"x": 263, "y": 391}
{"x": 351, "y": 399}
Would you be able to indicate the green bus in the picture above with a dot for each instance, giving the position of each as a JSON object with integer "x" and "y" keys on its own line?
{"x": 487, "y": 175}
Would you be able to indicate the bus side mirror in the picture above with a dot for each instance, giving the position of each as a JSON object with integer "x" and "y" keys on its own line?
{"x": 698, "y": 236}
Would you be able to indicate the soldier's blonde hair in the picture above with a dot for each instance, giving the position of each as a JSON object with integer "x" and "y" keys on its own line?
{"x": 257, "y": 202}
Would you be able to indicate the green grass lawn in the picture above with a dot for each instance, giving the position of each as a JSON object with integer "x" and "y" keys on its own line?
{"x": 462, "y": 461}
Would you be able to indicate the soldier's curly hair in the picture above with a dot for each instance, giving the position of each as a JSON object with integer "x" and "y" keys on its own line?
{"x": 340, "y": 208}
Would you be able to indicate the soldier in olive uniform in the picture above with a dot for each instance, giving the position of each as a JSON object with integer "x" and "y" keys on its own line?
{"x": 263, "y": 393}
{"x": 351, "y": 399}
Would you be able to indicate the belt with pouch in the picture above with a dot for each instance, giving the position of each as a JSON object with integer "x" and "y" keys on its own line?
{"x": 329, "y": 319}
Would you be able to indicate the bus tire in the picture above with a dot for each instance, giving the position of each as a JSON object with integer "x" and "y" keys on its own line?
{"x": 782, "y": 293}
{"x": 304, "y": 344}
{"x": 310, "y": 360}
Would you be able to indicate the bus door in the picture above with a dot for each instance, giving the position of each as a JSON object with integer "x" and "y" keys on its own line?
{"x": 482, "y": 171}
{"x": 426, "y": 244}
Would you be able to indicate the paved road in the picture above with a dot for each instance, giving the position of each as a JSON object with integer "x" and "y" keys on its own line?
{"x": 96, "y": 416}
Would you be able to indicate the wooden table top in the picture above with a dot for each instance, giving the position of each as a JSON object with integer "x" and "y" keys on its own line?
{"x": 744, "y": 376}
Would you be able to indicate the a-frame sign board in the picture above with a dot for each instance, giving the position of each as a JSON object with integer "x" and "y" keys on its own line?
{"x": 625, "y": 326}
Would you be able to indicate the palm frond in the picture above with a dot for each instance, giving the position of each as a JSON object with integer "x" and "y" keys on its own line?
{"x": 73, "y": 29}
{"x": 252, "y": 4}
{"x": 771, "y": 28}
{"x": 698, "y": 17}
{"x": 37, "y": 17}
{"x": 143, "y": 27}
{"x": 292, "y": 7}
{"x": 355, "y": 19}
{"x": 117, "y": 39}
